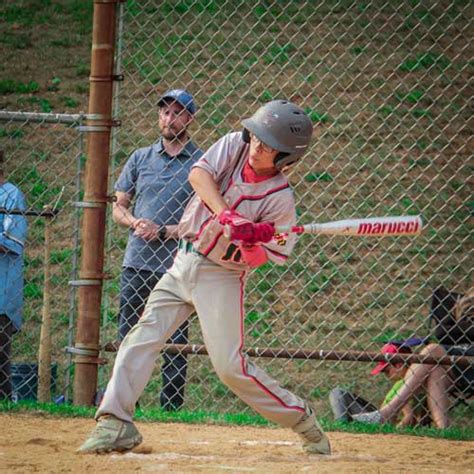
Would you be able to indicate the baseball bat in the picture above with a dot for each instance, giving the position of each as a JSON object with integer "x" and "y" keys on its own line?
{"x": 372, "y": 226}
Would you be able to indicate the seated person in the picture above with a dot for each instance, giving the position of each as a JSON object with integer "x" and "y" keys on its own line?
{"x": 437, "y": 380}
{"x": 412, "y": 412}
{"x": 412, "y": 383}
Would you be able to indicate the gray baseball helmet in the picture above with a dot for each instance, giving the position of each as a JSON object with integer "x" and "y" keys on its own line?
{"x": 283, "y": 126}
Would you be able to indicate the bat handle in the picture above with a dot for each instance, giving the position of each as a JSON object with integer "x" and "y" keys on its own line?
{"x": 286, "y": 229}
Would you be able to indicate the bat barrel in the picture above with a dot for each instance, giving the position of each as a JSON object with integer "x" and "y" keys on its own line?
{"x": 374, "y": 226}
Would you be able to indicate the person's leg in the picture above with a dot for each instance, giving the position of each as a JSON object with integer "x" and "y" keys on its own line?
{"x": 218, "y": 299}
{"x": 137, "y": 354}
{"x": 6, "y": 332}
{"x": 438, "y": 387}
{"x": 135, "y": 287}
{"x": 344, "y": 404}
{"x": 167, "y": 308}
{"x": 173, "y": 372}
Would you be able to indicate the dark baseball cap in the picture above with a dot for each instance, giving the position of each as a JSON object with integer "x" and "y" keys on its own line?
{"x": 181, "y": 96}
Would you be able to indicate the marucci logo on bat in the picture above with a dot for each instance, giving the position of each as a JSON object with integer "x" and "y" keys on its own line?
{"x": 380, "y": 228}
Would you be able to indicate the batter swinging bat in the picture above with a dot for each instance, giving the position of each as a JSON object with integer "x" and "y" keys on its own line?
{"x": 373, "y": 226}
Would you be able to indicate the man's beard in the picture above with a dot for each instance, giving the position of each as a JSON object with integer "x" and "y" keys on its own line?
{"x": 171, "y": 135}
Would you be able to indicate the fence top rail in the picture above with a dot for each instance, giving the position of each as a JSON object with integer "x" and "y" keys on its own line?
{"x": 39, "y": 117}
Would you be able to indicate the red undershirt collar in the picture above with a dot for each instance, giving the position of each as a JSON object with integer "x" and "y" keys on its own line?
{"x": 249, "y": 175}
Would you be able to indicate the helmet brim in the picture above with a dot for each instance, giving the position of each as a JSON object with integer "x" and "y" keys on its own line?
{"x": 262, "y": 134}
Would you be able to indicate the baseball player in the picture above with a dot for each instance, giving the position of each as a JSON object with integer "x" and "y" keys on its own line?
{"x": 239, "y": 188}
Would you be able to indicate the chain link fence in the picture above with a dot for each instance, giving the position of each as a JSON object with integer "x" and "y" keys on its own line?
{"x": 387, "y": 86}
{"x": 43, "y": 158}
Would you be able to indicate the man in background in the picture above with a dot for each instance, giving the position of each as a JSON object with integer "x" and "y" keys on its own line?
{"x": 156, "y": 178}
{"x": 13, "y": 229}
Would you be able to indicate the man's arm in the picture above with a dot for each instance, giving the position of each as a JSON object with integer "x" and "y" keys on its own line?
{"x": 206, "y": 188}
{"x": 144, "y": 228}
{"x": 121, "y": 212}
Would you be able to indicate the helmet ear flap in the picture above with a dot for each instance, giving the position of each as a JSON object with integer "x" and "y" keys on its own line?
{"x": 245, "y": 135}
{"x": 284, "y": 159}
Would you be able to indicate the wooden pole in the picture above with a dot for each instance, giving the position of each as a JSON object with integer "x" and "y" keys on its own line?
{"x": 95, "y": 200}
{"x": 44, "y": 351}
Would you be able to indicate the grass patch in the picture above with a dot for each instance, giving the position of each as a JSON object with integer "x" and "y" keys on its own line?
{"x": 9, "y": 86}
{"x": 201, "y": 416}
{"x": 318, "y": 176}
{"x": 425, "y": 61}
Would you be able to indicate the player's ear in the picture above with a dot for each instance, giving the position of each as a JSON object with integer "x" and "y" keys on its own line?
{"x": 245, "y": 136}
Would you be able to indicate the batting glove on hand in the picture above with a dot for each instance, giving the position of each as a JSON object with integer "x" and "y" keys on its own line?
{"x": 229, "y": 216}
{"x": 250, "y": 233}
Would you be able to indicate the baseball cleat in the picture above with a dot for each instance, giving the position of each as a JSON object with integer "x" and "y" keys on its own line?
{"x": 314, "y": 439}
{"x": 111, "y": 434}
{"x": 372, "y": 417}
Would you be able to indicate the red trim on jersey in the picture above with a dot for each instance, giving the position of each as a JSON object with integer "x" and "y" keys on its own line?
{"x": 257, "y": 197}
{"x": 243, "y": 363}
{"x": 209, "y": 249}
{"x": 204, "y": 224}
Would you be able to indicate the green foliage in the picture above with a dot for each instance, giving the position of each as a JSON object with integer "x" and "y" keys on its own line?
{"x": 45, "y": 106}
{"x": 425, "y": 61}
{"x": 32, "y": 291}
{"x": 317, "y": 117}
{"x": 356, "y": 50}
{"x": 258, "y": 323}
{"x": 82, "y": 69}
{"x": 69, "y": 102}
{"x": 61, "y": 256}
{"x": 412, "y": 97}
{"x": 54, "y": 84}
{"x": 318, "y": 176}
{"x": 10, "y": 86}
{"x": 11, "y": 133}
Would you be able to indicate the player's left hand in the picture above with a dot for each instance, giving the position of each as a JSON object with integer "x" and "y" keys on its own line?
{"x": 251, "y": 233}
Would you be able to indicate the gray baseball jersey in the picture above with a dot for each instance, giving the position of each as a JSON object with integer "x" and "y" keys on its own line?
{"x": 271, "y": 200}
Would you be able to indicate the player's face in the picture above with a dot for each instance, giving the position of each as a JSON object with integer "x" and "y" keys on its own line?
{"x": 173, "y": 120}
{"x": 261, "y": 156}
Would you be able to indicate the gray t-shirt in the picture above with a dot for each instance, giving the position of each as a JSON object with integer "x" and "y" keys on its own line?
{"x": 160, "y": 186}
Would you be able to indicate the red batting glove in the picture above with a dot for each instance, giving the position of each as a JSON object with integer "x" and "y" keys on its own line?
{"x": 250, "y": 233}
{"x": 264, "y": 232}
{"x": 253, "y": 255}
{"x": 229, "y": 216}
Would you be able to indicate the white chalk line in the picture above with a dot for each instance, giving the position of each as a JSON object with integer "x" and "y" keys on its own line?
{"x": 161, "y": 457}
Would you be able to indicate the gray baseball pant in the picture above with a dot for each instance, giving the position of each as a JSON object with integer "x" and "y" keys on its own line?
{"x": 194, "y": 283}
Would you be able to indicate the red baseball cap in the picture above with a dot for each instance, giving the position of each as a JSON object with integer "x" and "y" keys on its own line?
{"x": 389, "y": 348}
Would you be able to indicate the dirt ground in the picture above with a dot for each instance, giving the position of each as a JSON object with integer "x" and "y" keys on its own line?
{"x": 46, "y": 444}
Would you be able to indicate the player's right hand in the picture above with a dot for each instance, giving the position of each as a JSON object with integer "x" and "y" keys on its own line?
{"x": 230, "y": 216}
